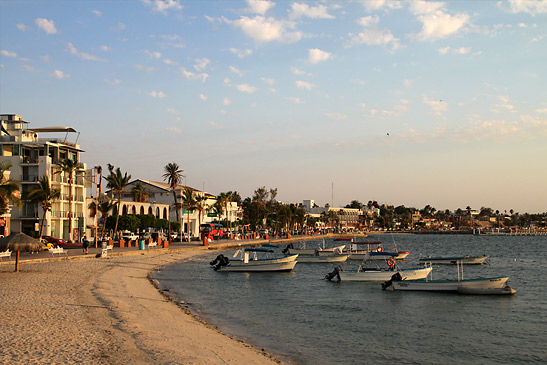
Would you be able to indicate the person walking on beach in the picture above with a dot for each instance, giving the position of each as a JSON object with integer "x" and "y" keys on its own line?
{"x": 85, "y": 244}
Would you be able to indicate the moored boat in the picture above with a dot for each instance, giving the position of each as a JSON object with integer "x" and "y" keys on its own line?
{"x": 491, "y": 285}
{"x": 367, "y": 272}
{"x": 247, "y": 260}
{"x": 453, "y": 260}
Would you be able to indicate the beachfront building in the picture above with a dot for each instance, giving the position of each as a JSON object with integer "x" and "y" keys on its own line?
{"x": 32, "y": 157}
{"x": 342, "y": 218}
{"x": 160, "y": 202}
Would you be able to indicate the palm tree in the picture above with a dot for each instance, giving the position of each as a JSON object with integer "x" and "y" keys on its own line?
{"x": 105, "y": 207}
{"x": 117, "y": 182}
{"x": 201, "y": 206}
{"x": 9, "y": 189}
{"x": 99, "y": 170}
{"x": 69, "y": 167}
{"x": 173, "y": 175}
{"x": 188, "y": 202}
{"x": 45, "y": 195}
{"x": 139, "y": 193}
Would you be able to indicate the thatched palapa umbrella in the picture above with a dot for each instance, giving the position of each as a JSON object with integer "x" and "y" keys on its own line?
{"x": 19, "y": 242}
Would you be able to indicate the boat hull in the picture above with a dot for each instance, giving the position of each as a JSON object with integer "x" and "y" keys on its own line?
{"x": 265, "y": 265}
{"x": 471, "y": 260}
{"x": 322, "y": 259}
{"x": 450, "y": 285}
{"x": 380, "y": 276}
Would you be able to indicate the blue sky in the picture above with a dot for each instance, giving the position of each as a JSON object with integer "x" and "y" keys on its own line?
{"x": 411, "y": 102}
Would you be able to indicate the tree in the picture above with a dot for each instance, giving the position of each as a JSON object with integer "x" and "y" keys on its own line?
{"x": 45, "y": 195}
{"x": 69, "y": 167}
{"x": 105, "y": 207}
{"x": 117, "y": 183}
{"x": 8, "y": 189}
{"x": 99, "y": 170}
{"x": 189, "y": 203}
{"x": 173, "y": 175}
{"x": 201, "y": 206}
{"x": 139, "y": 193}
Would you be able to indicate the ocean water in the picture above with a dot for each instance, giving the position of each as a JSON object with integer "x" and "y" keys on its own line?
{"x": 303, "y": 319}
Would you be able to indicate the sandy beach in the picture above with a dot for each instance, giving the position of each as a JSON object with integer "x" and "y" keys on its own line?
{"x": 106, "y": 311}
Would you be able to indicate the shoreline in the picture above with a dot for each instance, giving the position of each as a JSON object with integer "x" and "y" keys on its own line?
{"x": 107, "y": 311}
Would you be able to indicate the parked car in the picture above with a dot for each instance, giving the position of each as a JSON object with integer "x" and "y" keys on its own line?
{"x": 54, "y": 241}
{"x": 130, "y": 237}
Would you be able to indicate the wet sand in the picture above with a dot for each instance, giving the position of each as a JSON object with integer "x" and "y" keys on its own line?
{"x": 106, "y": 311}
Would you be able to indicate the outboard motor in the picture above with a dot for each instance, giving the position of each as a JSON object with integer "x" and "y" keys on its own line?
{"x": 395, "y": 277}
{"x": 220, "y": 261}
{"x": 286, "y": 249}
{"x": 333, "y": 274}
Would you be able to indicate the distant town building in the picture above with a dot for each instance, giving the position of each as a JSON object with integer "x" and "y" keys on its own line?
{"x": 32, "y": 157}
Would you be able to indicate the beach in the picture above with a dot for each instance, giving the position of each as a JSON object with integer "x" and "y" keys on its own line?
{"x": 106, "y": 310}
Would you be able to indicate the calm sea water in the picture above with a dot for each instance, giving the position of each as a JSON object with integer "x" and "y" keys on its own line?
{"x": 304, "y": 319}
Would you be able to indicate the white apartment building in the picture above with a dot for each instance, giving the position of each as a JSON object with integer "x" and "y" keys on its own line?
{"x": 160, "y": 203}
{"x": 32, "y": 157}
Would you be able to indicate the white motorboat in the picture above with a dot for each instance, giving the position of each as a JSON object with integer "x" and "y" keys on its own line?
{"x": 365, "y": 271}
{"x": 322, "y": 259}
{"x": 247, "y": 260}
{"x": 359, "y": 250}
{"x": 302, "y": 250}
{"x": 465, "y": 260}
{"x": 492, "y": 285}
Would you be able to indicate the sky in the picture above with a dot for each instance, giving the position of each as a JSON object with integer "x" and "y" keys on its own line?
{"x": 403, "y": 102}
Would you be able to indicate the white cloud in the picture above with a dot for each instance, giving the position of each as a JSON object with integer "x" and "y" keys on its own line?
{"x": 46, "y": 25}
{"x": 170, "y": 62}
{"x": 241, "y": 53}
{"x": 316, "y": 55}
{"x": 173, "y": 111}
{"x": 296, "y": 100}
{"x": 371, "y": 35}
{"x": 461, "y": 50}
{"x": 97, "y": 12}
{"x": 162, "y": 6}
{"x": 259, "y": 6}
{"x": 105, "y": 48}
{"x": 505, "y": 105}
{"x": 46, "y": 59}
{"x": 174, "y": 130}
{"x": 201, "y": 64}
{"x": 268, "y": 81}
{"x": 438, "y": 106}
{"x": 60, "y": 74}
{"x": 436, "y": 23}
{"x": 408, "y": 83}
{"x": 371, "y": 5}
{"x": 86, "y": 56}
{"x": 263, "y": 30}
{"x": 157, "y": 94}
{"x": 297, "y": 71}
{"x": 304, "y": 10}
{"x": 8, "y": 53}
{"x": 541, "y": 111}
{"x": 525, "y": 6}
{"x": 235, "y": 70}
{"x": 203, "y": 97}
{"x": 337, "y": 116}
{"x": 156, "y": 55}
{"x": 188, "y": 75}
{"x": 113, "y": 81}
{"x": 23, "y": 27}
{"x": 147, "y": 69}
{"x": 246, "y": 88}
{"x": 226, "y": 102}
{"x": 304, "y": 85}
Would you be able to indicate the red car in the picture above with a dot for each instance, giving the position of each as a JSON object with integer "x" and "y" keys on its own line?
{"x": 56, "y": 241}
